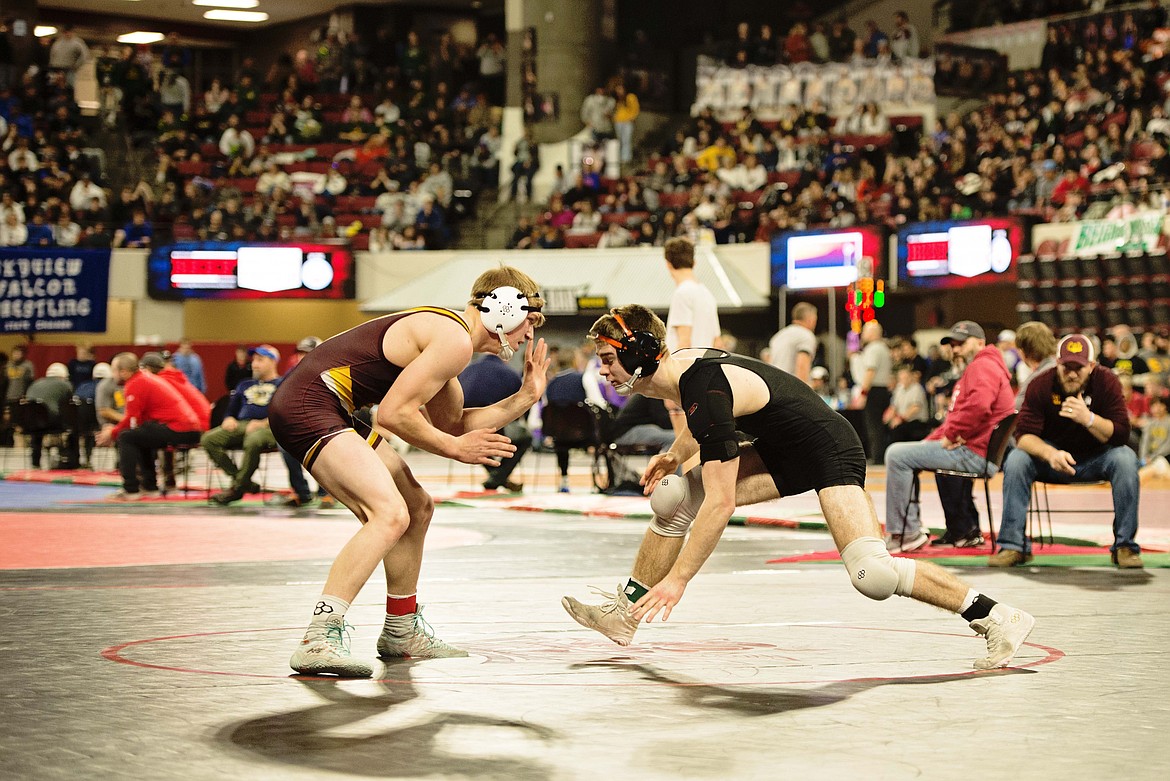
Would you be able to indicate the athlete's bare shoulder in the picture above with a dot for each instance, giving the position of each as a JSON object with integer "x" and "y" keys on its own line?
{"x": 427, "y": 329}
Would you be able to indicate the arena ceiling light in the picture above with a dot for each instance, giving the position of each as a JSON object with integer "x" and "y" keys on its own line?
{"x": 140, "y": 36}
{"x": 227, "y": 3}
{"x": 43, "y": 30}
{"x": 225, "y": 15}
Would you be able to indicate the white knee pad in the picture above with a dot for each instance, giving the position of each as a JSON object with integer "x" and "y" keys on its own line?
{"x": 874, "y": 572}
{"x": 675, "y": 502}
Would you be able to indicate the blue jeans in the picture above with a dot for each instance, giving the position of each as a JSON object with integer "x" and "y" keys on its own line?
{"x": 1117, "y": 465}
{"x": 903, "y": 462}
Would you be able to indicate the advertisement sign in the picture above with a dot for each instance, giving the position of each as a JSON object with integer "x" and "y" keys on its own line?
{"x": 1104, "y": 237}
{"x": 53, "y": 289}
{"x": 959, "y": 253}
{"x": 234, "y": 270}
{"x": 826, "y": 258}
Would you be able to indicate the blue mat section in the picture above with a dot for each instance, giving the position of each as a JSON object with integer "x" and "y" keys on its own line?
{"x": 39, "y": 496}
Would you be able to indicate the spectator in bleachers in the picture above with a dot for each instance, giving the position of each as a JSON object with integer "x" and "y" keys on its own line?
{"x": 13, "y": 232}
{"x": 174, "y": 93}
{"x": 841, "y": 38}
{"x": 904, "y": 43}
{"x": 67, "y": 53}
{"x": 487, "y": 157}
{"x": 438, "y": 184}
{"x": 66, "y": 232}
{"x": 615, "y": 235}
{"x": 797, "y": 47}
{"x": 215, "y": 96}
{"x": 236, "y": 143}
{"x": 410, "y": 239}
{"x": 597, "y": 112}
{"x": 492, "y": 56}
{"x": 747, "y": 175}
{"x": 625, "y": 112}
{"x": 39, "y": 233}
{"x": 136, "y": 233}
{"x": 526, "y": 154}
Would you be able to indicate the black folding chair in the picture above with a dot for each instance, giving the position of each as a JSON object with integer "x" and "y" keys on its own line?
{"x": 997, "y": 447}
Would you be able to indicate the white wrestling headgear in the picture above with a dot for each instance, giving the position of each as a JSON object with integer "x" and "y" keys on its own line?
{"x": 503, "y": 310}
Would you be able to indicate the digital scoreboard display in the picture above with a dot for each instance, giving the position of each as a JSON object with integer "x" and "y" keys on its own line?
{"x": 239, "y": 270}
{"x": 826, "y": 258}
{"x": 949, "y": 254}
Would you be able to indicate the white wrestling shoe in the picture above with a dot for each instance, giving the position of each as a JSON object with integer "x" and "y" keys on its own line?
{"x": 325, "y": 650}
{"x": 612, "y": 618}
{"x": 1006, "y": 629}
{"x": 421, "y": 643}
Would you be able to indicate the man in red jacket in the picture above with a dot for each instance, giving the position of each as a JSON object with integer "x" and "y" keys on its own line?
{"x": 157, "y": 416}
{"x": 162, "y": 364}
{"x": 982, "y": 397}
{"x": 1073, "y": 428}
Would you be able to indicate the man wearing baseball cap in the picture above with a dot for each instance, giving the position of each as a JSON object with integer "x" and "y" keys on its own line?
{"x": 1073, "y": 428}
{"x": 245, "y": 425}
{"x": 982, "y": 397}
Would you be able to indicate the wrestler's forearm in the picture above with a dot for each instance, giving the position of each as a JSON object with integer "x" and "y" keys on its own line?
{"x": 499, "y": 414}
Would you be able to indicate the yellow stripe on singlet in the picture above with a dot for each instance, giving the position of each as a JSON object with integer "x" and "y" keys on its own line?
{"x": 438, "y": 310}
{"x": 338, "y": 380}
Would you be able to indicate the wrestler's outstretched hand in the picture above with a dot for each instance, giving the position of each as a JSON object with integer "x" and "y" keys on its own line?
{"x": 663, "y": 597}
{"x": 483, "y": 446}
{"x": 536, "y": 363}
{"x": 659, "y": 467}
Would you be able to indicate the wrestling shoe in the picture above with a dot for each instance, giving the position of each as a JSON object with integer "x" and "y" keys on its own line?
{"x": 325, "y": 650}
{"x": 612, "y": 618}
{"x": 905, "y": 543}
{"x": 1006, "y": 629}
{"x": 421, "y": 643}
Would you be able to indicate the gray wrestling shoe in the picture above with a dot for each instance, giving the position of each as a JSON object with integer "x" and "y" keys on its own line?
{"x": 421, "y": 643}
{"x": 1006, "y": 629}
{"x": 325, "y": 650}
{"x": 612, "y": 618}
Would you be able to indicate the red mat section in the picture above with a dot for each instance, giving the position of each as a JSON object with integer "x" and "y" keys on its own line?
{"x": 931, "y": 552}
{"x": 57, "y": 541}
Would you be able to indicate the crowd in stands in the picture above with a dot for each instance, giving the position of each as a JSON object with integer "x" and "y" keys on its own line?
{"x": 344, "y": 136}
{"x": 1084, "y": 136}
{"x": 966, "y": 16}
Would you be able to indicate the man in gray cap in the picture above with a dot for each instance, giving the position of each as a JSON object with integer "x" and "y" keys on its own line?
{"x": 982, "y": 397}
{"x": 1073, "y": 428}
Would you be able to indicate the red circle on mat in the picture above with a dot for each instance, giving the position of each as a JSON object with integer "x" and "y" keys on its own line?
{"x": 115, "y": 654}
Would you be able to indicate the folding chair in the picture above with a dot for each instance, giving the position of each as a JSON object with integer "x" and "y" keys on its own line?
{"x": 1039, "y": 510}
{"x": 997, "y": 446}
{"x": 572, "y": 426}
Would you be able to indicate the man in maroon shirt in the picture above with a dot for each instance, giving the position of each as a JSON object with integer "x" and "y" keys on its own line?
{"x": 1073, "y": 428}
{"x": 157, "y": 416}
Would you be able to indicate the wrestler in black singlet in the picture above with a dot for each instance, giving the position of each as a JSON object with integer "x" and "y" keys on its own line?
{"x": 804, "y": 444}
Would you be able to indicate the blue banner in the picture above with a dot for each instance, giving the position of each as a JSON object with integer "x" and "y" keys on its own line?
{"x": 53, "y": 289}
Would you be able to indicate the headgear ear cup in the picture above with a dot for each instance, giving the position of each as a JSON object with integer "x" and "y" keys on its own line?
{"x": 503, "y": 311}
{"x": 639, "y": 353}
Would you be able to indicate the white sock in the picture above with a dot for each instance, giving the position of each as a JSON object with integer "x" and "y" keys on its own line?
{"x": 328, "y": 607}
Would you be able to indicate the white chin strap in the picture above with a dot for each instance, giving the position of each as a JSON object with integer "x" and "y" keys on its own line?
{"x": 627, "y": 387}
{"x": 506, "y": 351}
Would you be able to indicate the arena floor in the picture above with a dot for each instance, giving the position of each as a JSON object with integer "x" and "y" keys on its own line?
{"x": 151, "y": 641}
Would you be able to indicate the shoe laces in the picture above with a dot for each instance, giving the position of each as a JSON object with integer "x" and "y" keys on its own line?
{"x": 613, "y": 601}
{"x": 337, "y": 635}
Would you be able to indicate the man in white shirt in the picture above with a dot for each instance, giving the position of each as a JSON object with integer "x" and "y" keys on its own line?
{"x": 794, "y": 346}
{"x": 236, "y": 142}
{"x": 85, "y": 190}
{"x": 693, "y": 317}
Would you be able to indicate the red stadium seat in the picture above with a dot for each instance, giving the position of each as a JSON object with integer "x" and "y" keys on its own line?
{"x": 581, "y": 240}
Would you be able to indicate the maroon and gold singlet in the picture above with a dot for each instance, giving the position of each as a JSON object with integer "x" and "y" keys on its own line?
{"x": 349, "y": 371}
